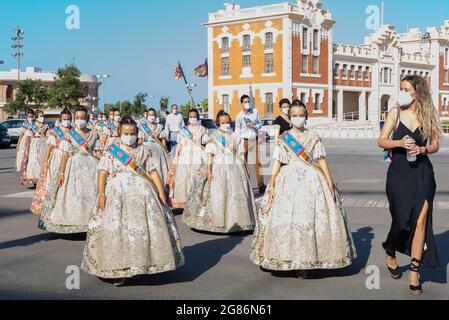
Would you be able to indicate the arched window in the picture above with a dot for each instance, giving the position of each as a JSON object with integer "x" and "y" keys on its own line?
{"x": 269, "y": 40}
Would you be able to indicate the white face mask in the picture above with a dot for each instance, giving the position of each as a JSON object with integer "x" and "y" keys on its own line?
{"x": 81, "y": 124}
{"x": 30, "y": 120}
{"x": 152, "y": 119}
{"x": 226, "y": 127}
{"x": 129, "y": 140}
{"x": 285, "y": 110}
{"x": 66, "y": 123}
{"x": 298, "y": 122}
{"x": 405, "y": 99}
{"x": 247, "y": 106}
{"x": 41, "y": 119}
{"x": 104, "y": 118}
{"x": 193, "y": 121}
{"x": 174, "y": 111}
{"x": 117, "y": 118}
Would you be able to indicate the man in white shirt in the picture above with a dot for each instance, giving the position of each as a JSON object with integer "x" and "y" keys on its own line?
{"x": 173, "y": 124}
{"x": 248, "y": 124}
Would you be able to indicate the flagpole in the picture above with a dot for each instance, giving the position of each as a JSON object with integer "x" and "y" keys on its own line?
{"x": 189, "y": 89}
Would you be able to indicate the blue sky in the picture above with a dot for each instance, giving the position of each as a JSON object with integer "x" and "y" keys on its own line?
{"x": 138, "y": 42}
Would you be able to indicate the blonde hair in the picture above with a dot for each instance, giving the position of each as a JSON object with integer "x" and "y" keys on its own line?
{"x": 428, "y": 117}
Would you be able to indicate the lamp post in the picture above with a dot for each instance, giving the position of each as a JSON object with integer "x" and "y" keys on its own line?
{"x": 18, "y": 46}
{"x": 190, "y": 87}
{"x": 103, "y": 77}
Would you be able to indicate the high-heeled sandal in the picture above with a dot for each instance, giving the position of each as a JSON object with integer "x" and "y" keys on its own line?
{"x": 395, "y": 274}
{"x": 415, "y": 266}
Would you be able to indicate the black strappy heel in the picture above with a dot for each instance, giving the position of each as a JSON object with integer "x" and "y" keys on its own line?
{"x": 415, "y": 266}
{"x": 395, "y": 274}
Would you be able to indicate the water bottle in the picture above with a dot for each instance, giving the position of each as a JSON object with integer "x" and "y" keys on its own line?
{"x": 410, "y": 158}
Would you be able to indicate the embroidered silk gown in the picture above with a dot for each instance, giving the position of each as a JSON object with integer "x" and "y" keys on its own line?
{"x": 21, "y": 147}
{"x": 76, "y": 198}
{"x": 135, "y": 234}
{"x": 38, "y": 146}
{"x": 187, "y": 165}
{"x": 305, "y": 228}
{"x": 227, "y": 204}
{"x": 160, "y": 156}
{"x": 45, "y": 198}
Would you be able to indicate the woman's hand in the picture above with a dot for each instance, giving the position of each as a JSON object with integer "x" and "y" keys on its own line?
{"x": 60, "y": 180}
{"x": 407, "y": 143}
{"x": 331, "y": 188}
{"x": 102, "y": 201}
{"x": 210, "y": 177}
{"x": 417, "y": 151}
{"x": 163, "y": 198}
{"x": 271, "y": 195}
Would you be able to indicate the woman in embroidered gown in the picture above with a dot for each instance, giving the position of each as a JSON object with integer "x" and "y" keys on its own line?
{"x": 132, "y": 231}
{"x": 77, "y": 180}
{"x": 189, "y": 159}
{"x": 46, "y": 189}
{"x": 38, "y": 145}
{"x": 302, "y": 224}
{"x": 22, "y": 146}
{"x": 222, "y": 200}
{"x": 153, "y": 136}
{"x": 112, "y": 129}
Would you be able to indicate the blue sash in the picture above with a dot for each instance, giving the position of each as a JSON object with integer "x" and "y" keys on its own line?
{"x": 34, "y": 127}
{"x": 59, "y": 133}
{"x": 187, "y": 133}
{"x": 221, "y": 139}
{"x": 120, "y": 155}
{"x": 78, "y": 138}
{"x": 294, "y": 145}
{"x": 149, "y": 132}
{"x": 129, "y": 162}
{"x": 111, "y": 126}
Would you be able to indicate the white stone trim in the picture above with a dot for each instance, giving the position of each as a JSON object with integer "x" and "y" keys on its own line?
{"x": 246, "y": 33}
{"x": 273, "y": 91}
{"x": 225, "y": 77}
{"x": 266, "y": 75}
{"x": 309, "y": 85}
{"x": 320, "y": 92}
{"x": 222, "y": 92}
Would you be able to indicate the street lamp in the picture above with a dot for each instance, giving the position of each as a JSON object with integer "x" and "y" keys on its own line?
{"x": 18, "y": 46}
{"x": 190, "y": 87}
{"x": 103, "y": 77}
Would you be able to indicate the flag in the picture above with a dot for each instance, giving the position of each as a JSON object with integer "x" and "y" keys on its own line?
{"x": 178, "y": 72}
{"x": 201, "y": 70}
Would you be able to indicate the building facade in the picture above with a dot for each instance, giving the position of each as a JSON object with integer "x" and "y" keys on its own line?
{"x": 8, "y": 86}
{"x": 287, "y": 50}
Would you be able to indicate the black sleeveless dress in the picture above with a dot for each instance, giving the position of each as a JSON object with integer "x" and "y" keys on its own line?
{"x": 409, "y": 185}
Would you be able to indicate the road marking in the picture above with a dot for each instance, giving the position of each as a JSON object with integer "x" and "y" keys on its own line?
{"x": 20, "y": 195}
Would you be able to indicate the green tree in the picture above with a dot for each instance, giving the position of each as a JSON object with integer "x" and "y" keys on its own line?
{"x": 205, "y": 105}
{"x": 29, "y": 94}
{"x": 66, "y": 90}
{"x": 12, "y": 107}
{"x": 139, "y": 105}
{"x": 184, "y": 109}
{"x": 163, "y": 104}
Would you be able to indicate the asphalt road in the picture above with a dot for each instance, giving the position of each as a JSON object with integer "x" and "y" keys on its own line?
{"x": 33, "y": 263}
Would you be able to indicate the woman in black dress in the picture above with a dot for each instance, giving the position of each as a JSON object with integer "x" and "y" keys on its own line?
{"x": 283, "y": 120}
{"x": 412, "y": 131}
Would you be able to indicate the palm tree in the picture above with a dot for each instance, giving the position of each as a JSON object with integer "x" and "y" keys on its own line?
{"x": 163, "y": 103}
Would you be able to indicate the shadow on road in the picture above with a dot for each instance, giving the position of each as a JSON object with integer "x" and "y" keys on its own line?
{"x": 439, "y": 275}
{"x": 29, "y": 241}
{"x": 363, "y": 239}
{"x": 199, "y": 259}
